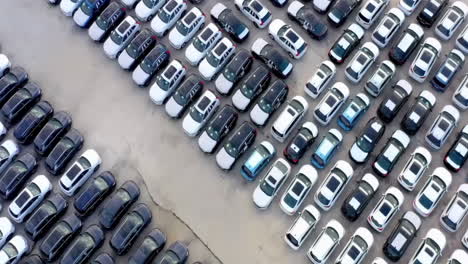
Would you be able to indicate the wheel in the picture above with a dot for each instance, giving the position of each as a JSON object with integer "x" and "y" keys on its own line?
{"x": 271, "y": 36}
{"x": 291, "y": 55}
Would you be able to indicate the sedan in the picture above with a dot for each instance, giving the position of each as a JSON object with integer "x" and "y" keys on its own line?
{"x": 20, "y": 102}
{"x": 326, "y": 242}
{"x": 101, "y": 186}
{"x": 331, "y": 102}
{"x": 432, "y": 192}
{"x": 418, "y": 113}
{"x": 306, "y": 18}
{"x": 447, "y": 71}
{"x": 265, "y": 52}
{"x": 431, "y": 12}
{"x": 385, "y": 209}
{"x": 32, "y": 122}
{"x": 271, "y": 183}
{"x": 452, "y": 19}
{"x": 218, "y": 128}
{"x": 287, "y": 38}
{"x": 346, "y": 43}
{"x": 425, "y": 59}
{"x": 118, "y": 204}
{"x": 380, "y": 79}
{"x": 156, "y": 59}
{"x": 16, "y": 248}
{"x": 8, "y": 152}
{"x": 357, "y": 247}
{"x": 51, "y": 133}
{"x": 79, "y": 172}
{"x": 255, "y": 11}
{"x": 227, "y": 20}
{"x": 188, "y": 92}
{"x": 64, "y": 151}
{"x": 454, "y": 214}
{"x": 84, "y": 246}
{"x": 406, "y": 44}
{"x": 320, "y": 79}
{"x": 302, "y": 227}
{"x": 167, "y": 16}
{"x": 257, "y": 160}
{"x": 370, "y": 12}
{"x": 251, "y": 88}
{"x": 236, "y": 145}
{"x": 298, "y": 190}
{"x": 200, "y": 113}
{"x": 391, "y": 105}
{"x": 414, "y": 169}
{"x": 137, "y": 49}
{"x": 361, "y": 62}
{"x": 234, "y": 71}
{"x": 458, "y": 153}
{"x": 402, "y": 235}
{"x": 288, "y": 119}
{"x": 186, "y": 28}
{"x": 177, "y": 253}
{"x": 149, "y": 248}
{"x": 430, "y": 248}
{"x": 460, "y": 96}
{"x": 301, "y": 142}
{"x": 341, "y": 10}
{"x": 326, "y": 149}
{"x": 391, "y": 153}
{"x": 11, "y": 82}
{"x": 17, "y": 174}
{"x": 269, "y": 102}
{"x": 359, "y": 198}
{"x": 333, "y": 185}
{"x": 7, "y": 229}
{"x": 388, "y": 27}
{"x": 353, "y": 111}
{"x": 202, "y": 44}
{"x": 442, "y": 127}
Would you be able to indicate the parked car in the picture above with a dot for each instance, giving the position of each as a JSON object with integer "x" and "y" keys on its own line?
{"x": 357, "y": 247}
{"x": 464, "y": 239}
{"x": 353, "y": 111}
{"x": 454, "y": 214}
{"x": 462, "y": 40}
{"x": 68, "y": 7}
{"x": 218, "y": 128}
{"x": 137, "y": 49}
{"x": 431, "y": 11}
{"x": 265, "y": 52}
{"x": 51, "y": 133}
{"x": 16, "y": 248}
{"x": 186, "y": 28}
{"x": 370, "y": 12}
{"x": 8, "y": 152}
{"x": 177, "y": 253}
{"x": 64, "y": 151}
{"x": 84, "y": 246}
{"x": 327, "y": 148}
{"x": 305, "y": 17}
{"x": 346, "y": 43}
{"x": 301, "y": 142}
{"x": 101, "y": 186}
{"x": 45, "y": 216}
{"x": 452, "y": 19}
{"x": 391, "y": 105}
{"x": 333, "y": 185}
{"x": 5, "y": 65}
{"x": 288, "y": 119}
{"x": 430, "y": 248}
{"x": 226, "y": 19}
{"x": 320, "y": 79}
{"x": 118, "y": 204}
{"x": 149, "y": 248}
{"x": 29, "y": 198}
{"x": 157, "y": 59}
{"x": 145, "y": 10}
{"x": 166, "y": 82}
{"x": 269, "y": 102}
{"x": 7, "y": 229}
{"x": 106, "y": 21}
{"x": 200, "y": 113}
{"x": 460, "y": 96}
{"x": 418, "y": 113}
{"x": 361, "y": 62}
{"x": 298, "y": 190}
{"x": 258, "y": 159}
{"x": 216, "y": 59}
{"x": 103, "y": 258}
{"x": 447, "y": 71}
{"x": 202, "y": 44}
{"x": 331, "y": 103}
{"x": 326, "y": 242}
{"x": 79, "y": 172}
{"x": 234, "y": 71}
{"x": 414, "y": 169}
{"x": 33, "y": 259}
{"x": 251, "y": 88}
{"x": 302, "y": 227}
{"x": 339, "y": 13}
{"x": 121, "y": 36}
{"x": 425, "y": 59}
{"x": 11, "y": 82}
{"x": 271, "y": 183}
{"x": 27, "y": 129}
{"x": 189, "y": 91}
{"x": 442, "y": 127}
{"x": 236, "y": 145}
{"x": 402, "y": 235}
{"x": 20, "y": 102}
{"x": 388, "y": 27}
{"x": 322, "y": 6}
{"x": 16, "y": 175}
{"x": 367, "y": 140}
{"x": 380, "y": 79}
{"x": 408, "y": 6}
{"x": 88, "y": 12}
{"x": 406, "y": 44}
{"x": 391, "y": 153}
{"x": 385, "y": 209}
{"x": 287, "y": 38}
{"x": 458, "y": 153}
{"x": 458, "y": 256}
{"x": 167, "y": 16}
{"x": 255, "y": 11}
{"x": 432, "y": 191}
{"x": 359, "y": 198}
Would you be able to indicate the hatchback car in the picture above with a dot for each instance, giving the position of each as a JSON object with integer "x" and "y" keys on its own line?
{"x": 255, "y": 11}
{"x": 327, "y": 148}
{"x": 388, "y": 27}
{"x": 453, "y": 215}
{"x": 20, "y": 102}
{"x": 202, "y": 44}
{"x": 320, "y": 79}
{"x": 414, "y": 169}
{"x": 391, "y": 153}
{"x": 287, "y": 38}
{"x": 357, "y": 247}
{"x": 460, "y": 96}
{"x": 118, "y": 204}
{"x": 31, "y": 123}
{"x": 153, "y": 62}
{"x": 431, "y": 12}
{"x": 265, "y": 52}
{"x": 177, "y": 253}
{"x": 11, "y": 82}
{"x": 391, "y": 105}
{"x": 430, "y": 249}
{"x": 380, "y": 79}
{"x": 218, "y": 128}
{"x": 462, "y": 40}
{"x": 234, "y": 71}
{"x": 298, "y": 189}
{"x": 418, "y": 113}
{"x": 258, "y": 159}
{"x": 406, "y": 44}
{"x": 361, "y": 62}
{"x": 7, "y": 229}
{"x": 458, "y": 153}
{"x": 84, "y": 246}
{"x": 402, "y": 235}
{"x": 326, "y": 242}
{"x": 236, "y": 145}
{"x": 353, "y": 111}
{"x": 305, "y": 17}
{"x": 447, "y": 71}
{"x": 16, "y": 248}
{"x": 186, "y": 28}
{"x": 301, "y": 142}
{"x": 341, "y": 10}
{"x": 359, "y": 198}
{"x": 452, "y": 19}
{"x": 121, "y": 37}
{"x": 200, "y": 113}
{"x": 88, "y": 11}
{"x": 253, "y": 85}
{"x": 51, "y": 133}
{"x": 145, "y": 10}
{"x": 166, "y": 82}
{"x": 425, "y": 59}
{"x": 16, "y": 175}
{"x": 370, "y": 12}
{"x": 149, "y": 248}
{"x": 302, "y": 227}
{"x": 137, "y": 49}
{"x": 432, "y": 192}
{"x": 216, "y": 59}
{"x": 64, "y": 151}
{"x": 227, "y": 20}
{"x": 167, "y": 16}
{"x": 346, "y": 43}
{"x": 408, "y": 6}
{"x": 269, "y": 102}
{"x": 271, "y": 183}
{"x": 100, "y": 187}
{"x": 442, "y": 127}
{"x": 331, "y": 103}
{"x": 288, "y": 119}
{"x": 79, "y": 172}
{"x": 385, "y": 209}
{"x": 106, "y": 21}
{"x": 333, "y": 185}
{"x": 189, "y": 91}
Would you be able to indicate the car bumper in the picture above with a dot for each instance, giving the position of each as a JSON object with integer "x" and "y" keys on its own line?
{"x": 95, "y": 33}
{"x": 80, "y": 18}
{"x": 240, "y": 101}
{"x": 223, "y": 85}
{"x": 140, "y": 77}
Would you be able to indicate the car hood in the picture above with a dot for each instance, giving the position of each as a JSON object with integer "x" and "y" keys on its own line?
{"x": 260, "y": 198}
{"x": 190, "y": 126}
{"x": 173, "y": 108}
{"x": 222, "y": 84}
{"x": 206, "y": 143}
{"x": 224, "y": 160}
{"x": 258, "y": 116}
{"x": 357, "y": 153}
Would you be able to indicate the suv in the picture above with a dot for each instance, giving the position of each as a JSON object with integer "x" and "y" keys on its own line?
{"x": 431, "y": 11}
{"x": 255, "y": 11}
{"x": 200, "y": 113}
{"x": 229, "y": 22}
{"x": 81, "y": 249}
{"x": 425, "y": 59}
{"x": 167, "y": 16}
{"x": 418, "y": 113}
{"x": 287, "y": 38}
{"x": 234, "y": 71}
{"x": 406, "y": 44}
{"x": 189, "y": 91}
{"x": 218, "y": 128}
{"x": 346, "y": 43}
{"x": 370, "y": 12}
{"x": 341, "y": 10}
{"x": 51, "y": 133}
{"x": 453, "y": 18}
{"x": 289, "y": 118}
{"x": 391, "y": 105}
{"x": 305, "y": 17}
{"x": 64, "y": 151}
{"x": 442, "y": 127}
{"x": 402, "y": 235}
{"x": 236, "y": 145}
{"x": 386, "y": 209}
{"x": 448, "y": 70}
{"x": 166, "y": 82}
{"x": 322, "y": 76}
{"x": 265, "y": 52}
{"x": 88, "y": 11}
{"x": 359, "y": 198}
{"x": 458, "y": 153}
{"x": 388, "y": 27}
{"x": 186, "y": 28}
{"x": 121, "y": 36}
{"x": 391, "y": 153}
{"x": 155, "y": 60}
{"x": 137, "y": 49}
{"x": 251, "y": 88}
{"x": 380, "y": 78}
{"x": 216, "y": 59}
{"x": 202, "y": 44}
{"x": 106, "y": 21}
{"x": 145, "y": 10}
{"x": 331, "y": 102}
{"x": 269, "y": 102}
{"x": 20, "y": 102}
{"x": 361, "y": 62}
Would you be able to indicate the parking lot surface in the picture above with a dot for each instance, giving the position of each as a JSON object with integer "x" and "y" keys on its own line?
{"x": 192, "y": 199}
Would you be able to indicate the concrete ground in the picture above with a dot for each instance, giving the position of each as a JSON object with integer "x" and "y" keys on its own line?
{"x": 193, "y": 200}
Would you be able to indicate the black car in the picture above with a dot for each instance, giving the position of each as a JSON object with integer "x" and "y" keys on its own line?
{"x": 10, "y": 82}
{"x": 236, "y": 69}
{"x": 300, "y": 143}
{"x": 457, "y": 154}
{"x": 59, "y": 237}
{"x": 279, "y": 64}
{"x": 116, "y": 206}
{"x": 149, "y": 248}
{"x": 140, "y": 46}
{"x": 359, "y": 198}
{"x": 229, "y": 22}
{"x": 251, "y": 88}
{"x": 110, "y": 18}
{"x": 391, "y": 104}
{"x": 447, "y": 70}
{"x": 270, "y": 101}
{"x": 32, "y": 122}
{"x": 187, "y": 93}
{"x": 130, "y": 228}
{"x": 45, "y": 215}
{"x": 218, "y": 128}
{"x": 401, "y": 237}
{"x": 236, "y": 145}
{"x": 103, "y": 258}
{"x": 13, "y": 178}
{"x": 84, "y": 246}
{"x": 346, "y": 43}
{"x": 32, "y": 259}
{"x": 177, "y": 253}
{"x": 92, "y": 9}
{"x": 95, "y": 192}
{"x": 341, "y": 10}
{"x": 367, "y": 140}
{"x": 406, "y": 44}
{"x": 417, "y": 114}
{"x": 20, "y": 102}
{"x": 64, "y": 151}
{"x": 306, "y": 18}
{"x": 431, "y": 11}
{"x": 156, "y": 59}
{"x": 51, "y": 133}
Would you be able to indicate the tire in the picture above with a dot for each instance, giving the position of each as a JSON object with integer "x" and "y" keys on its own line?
{"x": 271, "y": 36}
{"x": 291, "y": 55}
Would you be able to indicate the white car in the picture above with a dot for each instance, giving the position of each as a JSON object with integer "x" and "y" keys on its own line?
{"x": 452, "y": 19}
{"x": 386, "y": 209}
{"x": 361, "y": 62}
{"x": 14, "y": 250}
{"x": 460, "y": 96}
{"x": 269, "y": 102}
{"x": 186, "y": 28}
{"x": 370, "y": 12}
{"x": 458, "y": 256}
{"x": 333, "y": 185}
{"x": 70, "y": 6}
{"x": 320, "y": 79}
{"x": 430, "y": 249}
{"x": 79, "y": 172}
{"x": 289, "y": 118}
{"x": 216, "y": 59}
{"x": 462, "y": 40}
{"x": 326, "y": 242}
{"x": 7, "y": 228}
{"x": 121, "y": 37}
{"x": 271, "y": 183}
{"x": 331, "y": 103}
{"x": 8, "y": 152}
{"x": 200, "y": 113}
{"x": 255, "y": 11}
{"x": 287, "y": 38}
{"x": 322, "y": 6}
{"x": 298, "y": 190}
{"x": 425, "y": 59}
{"x": 145, "y": 10}
{"x": 250, "y": 88}
{"x": 167, "y": 16}
{"x": 29, "y": 198}
{"x": 302, "y": 227}
{"x": 414, "y": 169}
{"x": 442, "y": 127}
{"x": 357, "y": 247}
{"x": 464, "y": 239}
{"x": 388, "y": 27}
{"x": 129, "y": 3}
{"x": 408, "y": 6}
{"x": 5, "y": 64}
{"x": 379, "y": 261}
{"x": 203, "y": 43}
{"x": 454, "y": 214}
{"x": 432, "y": 192}
{"x": 166, "y": 82}
{"x": 380, "y": 78}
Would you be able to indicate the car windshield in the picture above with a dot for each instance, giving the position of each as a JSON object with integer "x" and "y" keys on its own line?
{"x": 212, "y": 59}
{"x": 200, "y": 41}
{"x": 266, "y": 187}
{"x": 365, "y": 143}
{"x": 290, "y": 200}
{"x": 196, "y": 115}
{"x": 182, "y": 28}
